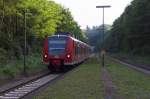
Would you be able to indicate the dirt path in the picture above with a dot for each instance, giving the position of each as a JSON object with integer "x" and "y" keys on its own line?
{"x": 110, "y": 88}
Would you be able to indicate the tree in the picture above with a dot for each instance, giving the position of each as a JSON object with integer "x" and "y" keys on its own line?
{"x": 130, "y": 32}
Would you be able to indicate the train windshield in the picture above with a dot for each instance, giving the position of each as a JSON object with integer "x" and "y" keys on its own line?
{"x": 57, "y": 45}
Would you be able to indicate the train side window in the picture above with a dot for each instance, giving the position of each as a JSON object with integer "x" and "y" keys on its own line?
{"x": 76, "y": 49}
{"x": 79, "y": 49}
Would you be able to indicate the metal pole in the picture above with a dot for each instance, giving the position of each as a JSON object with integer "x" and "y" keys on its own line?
{"x": 24, "y": 69}
{"x": 103, "y": 26}
{"x": 103, "y": 56}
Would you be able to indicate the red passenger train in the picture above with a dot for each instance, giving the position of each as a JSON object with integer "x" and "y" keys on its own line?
{"x": 62, "y": 50}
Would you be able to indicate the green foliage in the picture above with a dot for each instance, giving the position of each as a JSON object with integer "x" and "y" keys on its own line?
{"x": 95, "y": 36}
{"x": 35, "y": 64}
{"x": 42, "y": 17}
{"x": 130, "y": 32}
{"x": 3, "y": 57}
{"x": 15, "y": 67}
{"x": 67, "y": 24}
{"x": 9, "y": 72}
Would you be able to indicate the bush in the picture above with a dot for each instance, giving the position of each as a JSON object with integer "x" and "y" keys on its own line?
{"x": 3, "y": 57}
{"x": 9, "y": 72}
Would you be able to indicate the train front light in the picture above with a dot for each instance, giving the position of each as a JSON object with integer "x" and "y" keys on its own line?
{"x": 68, "y": 56}
{"x": 45, "y": 56}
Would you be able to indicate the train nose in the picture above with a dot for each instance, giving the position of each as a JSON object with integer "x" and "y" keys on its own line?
{"x": 56, "y": 63}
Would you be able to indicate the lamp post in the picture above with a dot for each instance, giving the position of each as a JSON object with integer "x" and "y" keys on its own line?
{"x": 102, "y": 51}
{"x": 26, "y": 13}
{"x": 25, "y": 44}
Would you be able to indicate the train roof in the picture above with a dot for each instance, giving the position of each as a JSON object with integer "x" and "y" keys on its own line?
{"x": 58, "y": 36}
{"x": 64, "y": 33}
{"x": 68, "y": 36}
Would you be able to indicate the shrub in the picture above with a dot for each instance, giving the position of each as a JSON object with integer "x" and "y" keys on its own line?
{"x": 3, "y": 57}
{"x": 9, "y": 72}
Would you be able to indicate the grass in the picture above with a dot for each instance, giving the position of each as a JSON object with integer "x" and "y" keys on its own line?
{"x": 130, "y": 83}
{"x": 82, "y": 83}
{"x": 142, "y": 60}
{"x": 137, "y": 59}
{"x": 14, "y": 68}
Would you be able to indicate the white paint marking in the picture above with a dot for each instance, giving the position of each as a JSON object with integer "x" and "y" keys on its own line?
{"x": 15, "y": 92}
{"x": 28, "y": 88}
{"x": 3, "y": 97}
{"x": 13, "y": 95}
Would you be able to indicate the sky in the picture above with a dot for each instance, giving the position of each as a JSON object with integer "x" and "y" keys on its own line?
{"x": 86, "y": 14}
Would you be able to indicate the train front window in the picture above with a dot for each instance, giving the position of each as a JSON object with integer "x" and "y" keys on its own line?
{"x": 57, "y": 45}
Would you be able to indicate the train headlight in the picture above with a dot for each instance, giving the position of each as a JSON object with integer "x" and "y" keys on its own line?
{"x": 45, "y": 55}
{"x": 68, "y": 56}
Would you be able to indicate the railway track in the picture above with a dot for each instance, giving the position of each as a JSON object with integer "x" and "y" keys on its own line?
{"x": 25, "y": 89}
{"x": 133, "y": 66}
